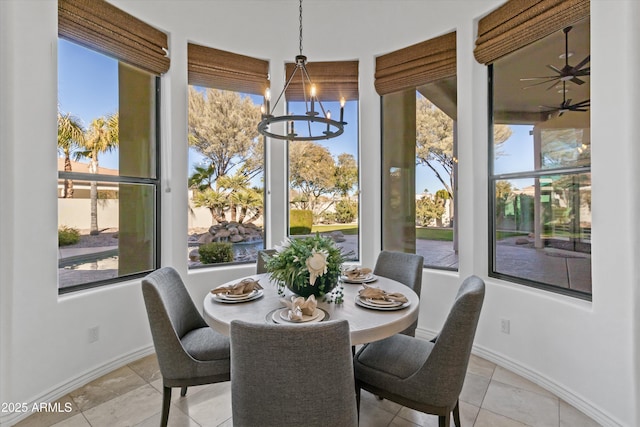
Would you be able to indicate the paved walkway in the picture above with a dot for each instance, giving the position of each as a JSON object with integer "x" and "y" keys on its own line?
{"x": 565, "y": 269}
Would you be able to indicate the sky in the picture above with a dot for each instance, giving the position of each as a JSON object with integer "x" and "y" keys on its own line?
{"x": 88, "y": 88}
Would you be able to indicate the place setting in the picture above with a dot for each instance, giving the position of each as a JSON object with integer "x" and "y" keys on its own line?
{"x": 378, "y": 299}
{"x": 298, "y": 310}
{"x": 357, "y": 275}
{"x": 246, "y": 290}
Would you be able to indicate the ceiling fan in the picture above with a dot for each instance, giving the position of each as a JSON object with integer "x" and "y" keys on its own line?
{"x": 567, "y": 105}
{"x": 567, "y": 73}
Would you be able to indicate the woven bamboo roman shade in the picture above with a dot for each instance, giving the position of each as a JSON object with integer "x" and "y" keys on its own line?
{"x": 416, "y": 65}
{"x": 333, "y": 80}
{"x": 103, "y": 27}
{"x": 518, "y": 23}
{"x": 224, "y": 70}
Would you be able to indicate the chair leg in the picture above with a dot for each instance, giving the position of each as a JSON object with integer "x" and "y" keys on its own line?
{"x": 358, "y": 400}
{"x": 183, "y": 391}
{"x": 456, "y": 414}
{"x": 444, "y": 420}
{"x": 166, "y": 402}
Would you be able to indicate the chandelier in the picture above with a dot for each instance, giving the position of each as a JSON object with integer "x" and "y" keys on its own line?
{"x": 316, "y": 123}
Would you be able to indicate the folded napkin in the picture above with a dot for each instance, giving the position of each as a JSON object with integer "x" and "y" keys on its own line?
{"x": 369, "y": 292}
{"x": 354, "y": 273}
{"x": 299, "y": 306}
{"x": 243, "y": 287}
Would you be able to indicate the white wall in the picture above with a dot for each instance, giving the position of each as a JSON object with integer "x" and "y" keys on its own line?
{"x": 585, "y": 352}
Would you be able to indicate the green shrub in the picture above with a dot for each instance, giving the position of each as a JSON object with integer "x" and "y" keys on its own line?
{"x": 68, "y": 236}
{"x": 215, "y": 252}
{"x": 346, "y": 211}
{"x": 300, "y": 221}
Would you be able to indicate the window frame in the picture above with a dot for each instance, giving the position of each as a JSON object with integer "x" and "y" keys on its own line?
{"x": 155, "y": 182}
{"x": 491, "y": 226}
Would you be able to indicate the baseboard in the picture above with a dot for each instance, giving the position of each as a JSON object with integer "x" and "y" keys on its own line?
{"x": 535, "y": 377}
{"x": 68, "y": 386}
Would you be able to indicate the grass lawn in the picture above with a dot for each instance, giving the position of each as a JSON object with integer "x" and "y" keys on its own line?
{"x": 421, "y": 232}
{"x": 426, "y": 233}
{"x": 350, "y": 229}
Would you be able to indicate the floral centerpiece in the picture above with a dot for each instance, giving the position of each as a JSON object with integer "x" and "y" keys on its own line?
{"x": 307, "y": 266}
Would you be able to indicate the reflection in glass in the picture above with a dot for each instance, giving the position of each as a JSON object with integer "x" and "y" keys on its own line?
{"x": 543, "y": 227}
{"x": 127, "y": 239}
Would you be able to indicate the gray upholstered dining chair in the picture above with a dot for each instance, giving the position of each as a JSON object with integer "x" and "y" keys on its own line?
{"x": 260, "y": 264}
{"x": 189, "y": 352}
{"x": 425, "y": 375}
{"x": 404, "y": 268}
{"x": 292, "y": 375}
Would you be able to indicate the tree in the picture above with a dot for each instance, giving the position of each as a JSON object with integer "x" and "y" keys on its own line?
{"x": 101, "y": 137}
{"x": 233, "y": 184}
{"x": 202, "y": 177}
{"x": 434, "y": 142}
{"x": 70, "y": 142}
{"x": 249, "y": 200}
{"x": 215, "y": 201}
{"x": 428, "y": 209}
{"x": 346, "y": 173}
{"x": 312, "y": 171}
{"x": 222, "y": 127}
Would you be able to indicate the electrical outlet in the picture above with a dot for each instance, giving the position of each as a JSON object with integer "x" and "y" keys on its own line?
{"x": 93, "y": 334}
{"x": 505, "y": 326}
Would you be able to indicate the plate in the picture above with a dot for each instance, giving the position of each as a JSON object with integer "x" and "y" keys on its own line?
{"x": 397, "y": 306}
{"x": 231, "y": 299}
{"x": 280, "y": 316}
{"x": 381, "y": 302}
{"x": 366, "y": 279}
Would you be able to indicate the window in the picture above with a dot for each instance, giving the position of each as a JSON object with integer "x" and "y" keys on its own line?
{"x": 108, "y": 169}
{"x": 540, "y": 164}
{"x": 226, "y": 157}
{"x": 436, "y": 168}
{"x": 108, "y": 121}
{"x": 323, "y": 175}
{"x": 419, "y": 112}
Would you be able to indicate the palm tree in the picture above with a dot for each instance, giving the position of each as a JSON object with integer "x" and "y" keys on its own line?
{"x": 234, "y": 184}
{"x": 250, "y": 199}
{"x": 70, "y": 141}
{"x": 202, "y": 177}
{"x": 215, "y": 201}
{"x": 102, "y": 137}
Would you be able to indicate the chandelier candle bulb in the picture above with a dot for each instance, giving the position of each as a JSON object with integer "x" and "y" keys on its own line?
{"x": 267, "y": 101}
{"x": 342, "y": 110}
{"x": 328, "y": 117}
{"x": 313, "y": 95}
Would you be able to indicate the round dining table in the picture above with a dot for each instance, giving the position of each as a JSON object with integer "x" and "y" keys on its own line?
{"x": 366, "y": 324}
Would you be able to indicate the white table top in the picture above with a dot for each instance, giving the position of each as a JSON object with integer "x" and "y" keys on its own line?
{"x": 366, "y": 325}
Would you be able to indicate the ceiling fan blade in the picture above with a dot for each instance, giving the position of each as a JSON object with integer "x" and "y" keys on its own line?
{"x": 583, "y": 72}
{"x": 553, "y": 84}
{"x": 582, "y": 63}
{"x": 577, "y": 81}
{"x": 540, "y": 83}
{"x": 539, "y": 78}
{"x": 557, "y": 70}
{"x": 585, "y": 103}
{"x": 580, "y": 110}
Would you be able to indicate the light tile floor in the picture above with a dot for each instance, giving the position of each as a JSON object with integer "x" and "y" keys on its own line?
{"x": 132, "y": 396}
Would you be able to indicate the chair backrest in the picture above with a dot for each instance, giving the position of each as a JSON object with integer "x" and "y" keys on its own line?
{"x": 447, "y": 363}
{"x": 172, "y": 314}
{"x": 292, "y": 375}
{"x": 260, "y": 264}
{"x": 402, "y": 267}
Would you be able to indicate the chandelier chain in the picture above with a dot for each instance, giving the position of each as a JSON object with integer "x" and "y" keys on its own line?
{"x": 300, "y": 9}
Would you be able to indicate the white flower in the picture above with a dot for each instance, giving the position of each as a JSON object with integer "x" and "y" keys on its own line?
{"x": 283, "y": 245}
{"x": 317, "y": 265}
